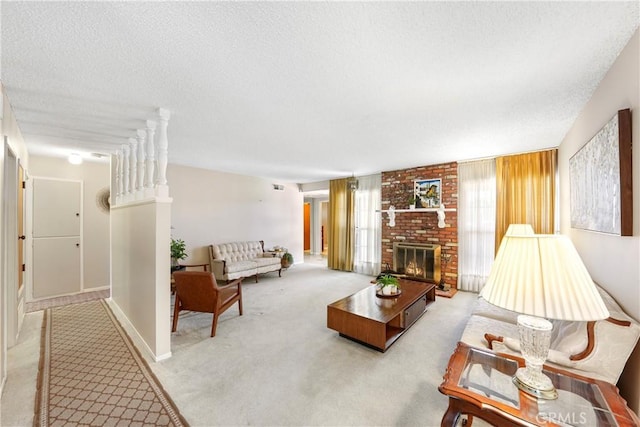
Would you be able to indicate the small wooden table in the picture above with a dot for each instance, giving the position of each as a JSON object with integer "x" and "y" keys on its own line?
{"x": 479, "y": 384}
{"x": 378, "y": 322}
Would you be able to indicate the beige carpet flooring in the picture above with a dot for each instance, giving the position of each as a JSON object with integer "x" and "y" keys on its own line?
{"x": 278, "y": 364}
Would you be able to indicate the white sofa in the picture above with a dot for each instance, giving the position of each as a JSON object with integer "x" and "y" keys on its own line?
{"x": 599, "y": 350}
{"x": 233, "y": 260}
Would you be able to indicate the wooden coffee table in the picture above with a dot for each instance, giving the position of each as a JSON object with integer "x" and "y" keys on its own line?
{"x": 479, "y": 384}
{"x": 378, "y": 322}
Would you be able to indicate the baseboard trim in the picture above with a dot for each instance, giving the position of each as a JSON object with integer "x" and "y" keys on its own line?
{"x": 137, "y": 339}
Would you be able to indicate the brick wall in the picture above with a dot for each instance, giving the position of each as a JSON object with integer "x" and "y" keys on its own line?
{"x": 421, "y": 227}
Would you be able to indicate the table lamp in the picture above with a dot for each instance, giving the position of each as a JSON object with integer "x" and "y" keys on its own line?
{"x": 519, "y": 229}
{"x": 542, "y": 277}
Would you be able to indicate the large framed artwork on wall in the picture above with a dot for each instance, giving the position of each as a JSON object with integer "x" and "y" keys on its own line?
{"x": 601, "y": 190}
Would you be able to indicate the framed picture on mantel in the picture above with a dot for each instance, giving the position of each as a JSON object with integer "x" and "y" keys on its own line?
{"x": 428, "y": 192}
{"x": 600, "y": 181}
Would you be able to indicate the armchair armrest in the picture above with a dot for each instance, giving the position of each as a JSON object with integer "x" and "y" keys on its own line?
{"x": 234, "y": 283}
{"x": 204, "y": 266}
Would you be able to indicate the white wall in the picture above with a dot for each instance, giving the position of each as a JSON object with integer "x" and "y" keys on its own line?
{"x": 613, "y": 261}
{"x": 141, "y": 285}
{"x": 95, "y": 223}
{"x": 215, "y": 207}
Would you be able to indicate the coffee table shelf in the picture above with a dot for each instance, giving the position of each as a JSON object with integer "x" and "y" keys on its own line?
{"x": 378, "y": 322}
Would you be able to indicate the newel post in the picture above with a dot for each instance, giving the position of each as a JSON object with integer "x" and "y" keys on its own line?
{"x": 151, "y": 159}
{"x": 162, "y": 189}
{"x": 119, "y": 174}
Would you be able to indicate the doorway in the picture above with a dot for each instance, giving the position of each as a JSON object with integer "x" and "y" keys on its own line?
{"x": 307, "y": 227}
{"x": 21, "y": 236}
{"x": 10, "y": 247}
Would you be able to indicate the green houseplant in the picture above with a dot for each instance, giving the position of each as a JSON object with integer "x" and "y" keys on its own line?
{"x": 412, "y": 201}
{"x": 388, "y": 284}
{"x": 286, "y": 260}
{"x": 178, "y": 251}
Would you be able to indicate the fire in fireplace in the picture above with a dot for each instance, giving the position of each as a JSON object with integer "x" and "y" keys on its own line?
{"x": 417, "y": 261}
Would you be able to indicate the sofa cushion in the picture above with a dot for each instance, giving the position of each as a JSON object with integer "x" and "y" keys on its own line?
{"x": 234, "y": 267}
{"x": 612, "y": 344}
{"x": 267, "y": 261}
{"x": 569, "y": 337}
{"x": 486, "y": 309}
{"x": 478, "y": 325}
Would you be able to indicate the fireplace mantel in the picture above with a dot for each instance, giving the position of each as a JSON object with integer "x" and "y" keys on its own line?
{"x": 416, "y": 210}
{"x": 392, "y": 211}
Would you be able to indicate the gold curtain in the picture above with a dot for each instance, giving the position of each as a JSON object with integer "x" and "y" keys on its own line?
{"x": 341, "y": 226}
{"x": 526, "y": 192}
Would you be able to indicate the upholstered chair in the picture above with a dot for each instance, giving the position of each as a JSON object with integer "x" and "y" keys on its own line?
{"x": 199, "y": 291}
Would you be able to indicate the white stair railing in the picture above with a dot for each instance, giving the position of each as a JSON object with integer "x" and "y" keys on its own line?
{"x": 141, "y": 163}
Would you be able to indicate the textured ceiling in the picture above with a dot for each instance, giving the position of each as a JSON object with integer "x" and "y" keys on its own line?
{"x": 308, "y": 91}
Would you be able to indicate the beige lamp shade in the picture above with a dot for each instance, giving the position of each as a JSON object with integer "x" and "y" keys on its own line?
{"x": 519, "y": 229}
{"x": 542, "y": 275}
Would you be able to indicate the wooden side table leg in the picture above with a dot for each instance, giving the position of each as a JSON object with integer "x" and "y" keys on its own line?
{"x": 450, "y": 418}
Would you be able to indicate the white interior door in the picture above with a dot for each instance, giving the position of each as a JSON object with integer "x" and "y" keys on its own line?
{"x": 10, "y": 248}
{"x": 56, "y": 208}
{"x": 56, "y": 237}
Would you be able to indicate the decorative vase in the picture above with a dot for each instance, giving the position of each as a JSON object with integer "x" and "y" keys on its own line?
{"x": 411, "y": 207}
{"x": 389, "y": 290}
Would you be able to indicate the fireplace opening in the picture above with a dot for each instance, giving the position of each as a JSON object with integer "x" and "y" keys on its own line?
{"x": 417, "y": 261}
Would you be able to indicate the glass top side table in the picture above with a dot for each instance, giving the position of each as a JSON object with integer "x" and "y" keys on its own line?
{"x": 479, "y": 383}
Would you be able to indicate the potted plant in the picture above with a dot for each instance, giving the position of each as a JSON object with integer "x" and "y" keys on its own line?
{"x": 388, "y": 284}
{"x": 412, "y": 201}
{"x": 178, "y": 252}
{"x": 286, "y": 260}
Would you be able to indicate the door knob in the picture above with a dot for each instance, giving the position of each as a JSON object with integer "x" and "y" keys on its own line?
{"x": 77, "y": 245}
{"x": 21, "y": 237}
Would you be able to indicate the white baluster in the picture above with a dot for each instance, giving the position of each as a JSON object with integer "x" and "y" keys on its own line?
{"x": 162, "y": 189}
{"x": 125, "y": 174}
{"x": 141, "y": 153}
{"x": 151, "y": 159}
{"x": 133, "y": 167}
{"x": 118, "y": 183}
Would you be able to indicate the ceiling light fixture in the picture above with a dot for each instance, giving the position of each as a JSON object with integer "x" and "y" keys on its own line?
{"x": 75, "y": 159}
{"x": 352, "y": 183}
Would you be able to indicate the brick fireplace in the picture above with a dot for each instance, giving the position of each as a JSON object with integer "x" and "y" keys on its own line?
{"x": 421, "y": 227}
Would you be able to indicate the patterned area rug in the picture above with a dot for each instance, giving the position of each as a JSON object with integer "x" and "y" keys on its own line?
{"x": 91, "y": 374}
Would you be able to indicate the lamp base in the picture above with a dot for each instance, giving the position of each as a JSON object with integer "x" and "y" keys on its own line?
{"x": 540, "y": 387}
{"x": 535, "y": 337}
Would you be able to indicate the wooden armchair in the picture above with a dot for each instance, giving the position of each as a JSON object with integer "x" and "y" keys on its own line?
{"x": 199, "y": 291}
